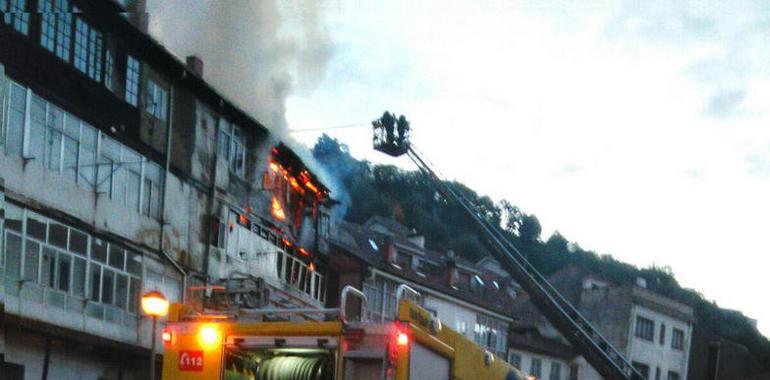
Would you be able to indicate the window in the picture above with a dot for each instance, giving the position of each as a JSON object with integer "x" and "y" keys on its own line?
{"x": 662, "y": 334}
{"x": 535, "y": 368}
{"x": 555, "y": 371}
{"x": 156, "y": 100}
{"x": 70, "y": 147}
{"x": 88, "y": 50}
{"x": 673, "y": 375}
{"x": 132, "y": 81}
{"x": 462, "y": 327}
{"x": 16, "y": 116}
{"x": 232, "y": 146}
{"x": 677, "y": 339}
{"x": 151, "y": 194}
{"x": 514, "y": 359}
{"x": 404, "y": 260}
{"x": 81, "y": 45}
{"x": 491, "y": 333}
{"x": 645, "y": 328}
{"x": 657, "y": 373}
{"x": 15, "y": 13}
{"x": 643, "y": 369}
{"x": 56, "y": 27}
{"x": 70, "y": 261}
{"x": 573, "y": 372}
{"x": 324, "y": 225}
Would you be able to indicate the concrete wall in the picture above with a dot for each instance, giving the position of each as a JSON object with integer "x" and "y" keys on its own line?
{"x": 451, "y": 315}
{"x": 546, "y": 365}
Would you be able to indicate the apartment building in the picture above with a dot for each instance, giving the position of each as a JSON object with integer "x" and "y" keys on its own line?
{"x": 126, "y": 172}
{"x": 652, "y": 331}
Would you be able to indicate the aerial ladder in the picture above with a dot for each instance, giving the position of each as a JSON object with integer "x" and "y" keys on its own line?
{"x": 391, "y": 136}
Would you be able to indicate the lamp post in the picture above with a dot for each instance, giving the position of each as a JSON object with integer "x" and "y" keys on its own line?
{"x": 154, "y": 304}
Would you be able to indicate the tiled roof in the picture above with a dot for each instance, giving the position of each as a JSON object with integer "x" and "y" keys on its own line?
{"x": 371, "y": 247}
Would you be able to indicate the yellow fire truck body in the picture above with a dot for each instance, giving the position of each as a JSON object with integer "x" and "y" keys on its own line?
{"x": 415, "y": 347}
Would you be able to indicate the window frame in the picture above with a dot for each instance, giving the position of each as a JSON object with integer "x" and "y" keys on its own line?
{"x": 641, "y": 330}
{"x": 677, "y": 339}
{"x": 91, "y": 158}
{"x": 50, "y": 275}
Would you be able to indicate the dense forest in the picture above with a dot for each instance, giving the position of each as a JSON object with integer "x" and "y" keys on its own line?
{"x": 409, "y": 197}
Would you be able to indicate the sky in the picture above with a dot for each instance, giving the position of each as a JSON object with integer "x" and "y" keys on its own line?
{"x": 639, "y": 129}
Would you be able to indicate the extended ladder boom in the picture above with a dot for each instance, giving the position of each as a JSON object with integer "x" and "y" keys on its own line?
{"x": 607, "y": 360}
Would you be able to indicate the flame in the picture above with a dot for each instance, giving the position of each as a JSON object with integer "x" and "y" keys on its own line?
{"x": 286, "y": 242}
{"x": 274, "y": 167}
{"x": 311, "y": 267}
{"x": 294, "y": 183}
{"x": 312, "y": 187}
{"x": 278, "y": 212}
{"x": 304, "y": 252}
{"x": 242, "y": 219}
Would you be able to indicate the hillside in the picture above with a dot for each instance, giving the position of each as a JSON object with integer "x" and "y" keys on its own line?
{"x": 409, "y": 197}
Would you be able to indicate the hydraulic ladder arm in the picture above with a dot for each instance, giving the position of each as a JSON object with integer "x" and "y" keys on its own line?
{"x": 597, "y": 350}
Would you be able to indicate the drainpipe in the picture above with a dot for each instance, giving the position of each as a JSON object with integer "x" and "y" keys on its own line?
{"x": 169, "y": 126}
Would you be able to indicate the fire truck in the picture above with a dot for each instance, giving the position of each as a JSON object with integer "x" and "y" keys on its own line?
{"x": 283, "y": 344}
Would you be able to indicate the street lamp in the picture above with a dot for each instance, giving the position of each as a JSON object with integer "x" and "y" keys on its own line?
{"x": 154, "y": 304}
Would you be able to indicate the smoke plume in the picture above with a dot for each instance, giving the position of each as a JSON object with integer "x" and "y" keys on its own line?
{"x": 256, "y": 53}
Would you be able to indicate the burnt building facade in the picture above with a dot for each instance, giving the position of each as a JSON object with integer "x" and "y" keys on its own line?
{"x": 126, "y": 172}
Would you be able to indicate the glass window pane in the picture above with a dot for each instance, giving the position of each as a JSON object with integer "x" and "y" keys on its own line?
{"x": 146, "y": 197}
{"x": 63, "y": 32}
{"x": 31, "y": 260}
{"x": 133, "y": 189}
{"x": 57, "y": 235}
{"x": 53, "y": 149}
{"x": 95, "y": 277}
{"x": 99, "y": 250}
{"x": 108, "y": 286}
{"x": 12, "y": 256}
{"x": 121, "y": 290}
{"x": 133, "y": 295}
{"x": 79, "y": 277}
{"x": 71, "y": 126}
{"x": 117, "y": 256}
{"x": 37, "y": 127}
{"x": 87, "y": 159}
{"x": 48, "y": 267}
{"x": 36, "y": 227}
{"x": 13, "y": 217}
{"x": 15, "y": 134}
{"x": 70, "y": 164}
{"x": 63, "y": 275}
{"x": 78, "y": 242}
{"x": 134, "y": 263}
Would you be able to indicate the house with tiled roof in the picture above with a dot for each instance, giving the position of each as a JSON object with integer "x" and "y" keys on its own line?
{"x": 382, "y": 254}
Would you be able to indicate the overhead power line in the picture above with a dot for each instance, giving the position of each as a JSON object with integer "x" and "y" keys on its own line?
{"x": 343, "y": 126}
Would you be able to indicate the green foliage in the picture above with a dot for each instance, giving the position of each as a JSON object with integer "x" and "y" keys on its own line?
{"x": 409, "y": 197}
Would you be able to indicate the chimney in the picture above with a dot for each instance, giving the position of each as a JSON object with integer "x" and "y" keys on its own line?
{"x": 390, "y": 253}
{"x": 137, "y": 11}
{"x": 195, "y": 65}
{"x": 451, "y": 266}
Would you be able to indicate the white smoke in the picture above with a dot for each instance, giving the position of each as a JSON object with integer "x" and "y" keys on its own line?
{"x": 256, "y": 53}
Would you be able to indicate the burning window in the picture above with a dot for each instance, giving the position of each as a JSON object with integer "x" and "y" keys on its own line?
{"x": 295, "y": 191}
